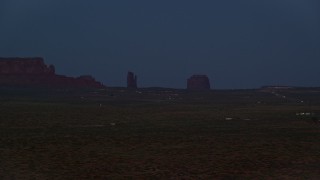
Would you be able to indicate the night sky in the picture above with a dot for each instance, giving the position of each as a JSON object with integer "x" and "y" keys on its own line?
{"x": 237, "y": 43}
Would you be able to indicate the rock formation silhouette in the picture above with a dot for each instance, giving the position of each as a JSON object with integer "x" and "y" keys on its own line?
{"x": 26, "y": 66}
{"x": 198, "y": 82}
{"x": 33, "y": 72}
{"x": 131, "y": 80}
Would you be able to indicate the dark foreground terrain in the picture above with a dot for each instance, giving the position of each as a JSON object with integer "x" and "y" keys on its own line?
{"x": 159, "y": 134}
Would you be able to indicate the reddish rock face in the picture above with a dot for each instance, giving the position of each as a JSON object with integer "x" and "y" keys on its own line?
{"x": 25, "y": 66}
{"x": 35, "y": 73}
{"x": 198, "y": 82}
{"x": 131, "y": 80}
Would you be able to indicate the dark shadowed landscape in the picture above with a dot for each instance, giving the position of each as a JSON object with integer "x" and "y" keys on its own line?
{"x": 158, "y": 133}
{"x": 159, "y": 89}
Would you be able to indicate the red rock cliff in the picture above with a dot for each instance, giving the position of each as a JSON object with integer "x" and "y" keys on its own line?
{"x": 131, "y": 80}
{"x": 198, "y": 82}
{"x": 35, "y": 73}
{"x": 25, "y": 66}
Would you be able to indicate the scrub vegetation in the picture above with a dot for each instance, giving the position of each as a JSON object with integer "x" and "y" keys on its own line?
{"x": 159, "y": 134}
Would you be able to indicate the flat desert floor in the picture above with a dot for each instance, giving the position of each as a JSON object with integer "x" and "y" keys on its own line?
{"x": 160, "y": 134}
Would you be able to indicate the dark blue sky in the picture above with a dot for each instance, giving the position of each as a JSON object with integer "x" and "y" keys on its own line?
{"x": 238, "y": 44}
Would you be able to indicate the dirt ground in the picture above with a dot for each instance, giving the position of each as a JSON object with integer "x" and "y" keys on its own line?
{"x": 247, "y": 136}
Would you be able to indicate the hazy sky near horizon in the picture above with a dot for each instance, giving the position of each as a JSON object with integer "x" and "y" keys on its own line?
{"x": 238, "y": 44}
